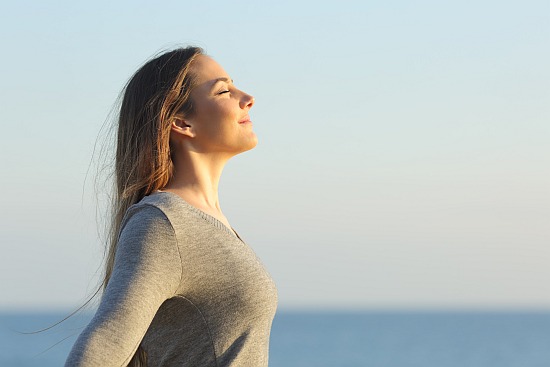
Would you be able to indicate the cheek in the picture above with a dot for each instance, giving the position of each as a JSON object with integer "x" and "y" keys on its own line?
{"x": 217, "y": 116}
{"x": 215, "y": 110}
{"x": 225, "y": 111}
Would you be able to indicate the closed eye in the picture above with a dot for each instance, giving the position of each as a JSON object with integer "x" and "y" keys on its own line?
{"x": 223, "y": 91}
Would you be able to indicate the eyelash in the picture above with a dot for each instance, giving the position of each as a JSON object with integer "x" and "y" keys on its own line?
{"x": 223, "y": 91}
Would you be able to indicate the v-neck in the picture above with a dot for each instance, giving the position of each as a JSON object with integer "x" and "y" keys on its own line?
{"x": 209, "y": 218}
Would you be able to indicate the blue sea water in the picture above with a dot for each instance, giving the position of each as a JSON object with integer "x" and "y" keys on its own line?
{"x": 336, "y": 339}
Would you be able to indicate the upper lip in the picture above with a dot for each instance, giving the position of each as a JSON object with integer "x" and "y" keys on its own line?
{"x": 244, "y": 119}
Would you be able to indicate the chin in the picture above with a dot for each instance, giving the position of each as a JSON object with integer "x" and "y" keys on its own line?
{"x": 251, "y": 145}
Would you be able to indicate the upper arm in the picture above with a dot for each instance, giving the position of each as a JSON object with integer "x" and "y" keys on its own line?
{"x": 147, "y": 271}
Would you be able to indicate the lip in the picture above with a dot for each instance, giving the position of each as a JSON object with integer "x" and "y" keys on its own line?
{"x": 245, "y": 120}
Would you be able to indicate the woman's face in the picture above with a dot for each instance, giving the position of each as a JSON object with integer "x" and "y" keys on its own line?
{"x": 220, "y": 120}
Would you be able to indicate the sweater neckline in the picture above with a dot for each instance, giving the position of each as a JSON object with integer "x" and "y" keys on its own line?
{"x": 209, "y": 218}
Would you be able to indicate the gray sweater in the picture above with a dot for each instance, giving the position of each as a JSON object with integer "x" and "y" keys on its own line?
{"x": 186, "y": 287}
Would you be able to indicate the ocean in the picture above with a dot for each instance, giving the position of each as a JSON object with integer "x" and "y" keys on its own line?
{"x": 336, "y": 339}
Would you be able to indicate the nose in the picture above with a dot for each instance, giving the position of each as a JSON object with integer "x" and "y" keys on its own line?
{"x": 247, "y": 101}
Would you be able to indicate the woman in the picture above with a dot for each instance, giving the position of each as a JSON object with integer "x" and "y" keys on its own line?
{"x": 181, "y": 288}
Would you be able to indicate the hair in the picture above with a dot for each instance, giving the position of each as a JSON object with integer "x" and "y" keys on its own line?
{"x": 157, "y": 93}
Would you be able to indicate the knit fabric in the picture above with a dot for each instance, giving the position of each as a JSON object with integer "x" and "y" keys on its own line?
{"x": 185, "y": 287}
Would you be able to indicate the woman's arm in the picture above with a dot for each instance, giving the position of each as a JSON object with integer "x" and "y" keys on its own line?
{"x": 147, "y": 271}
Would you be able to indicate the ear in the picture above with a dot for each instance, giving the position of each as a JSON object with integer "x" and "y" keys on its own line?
{"x": 182, "y": 127}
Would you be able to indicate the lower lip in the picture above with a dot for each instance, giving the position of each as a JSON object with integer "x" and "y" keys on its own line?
{"x": 247, "y": 122}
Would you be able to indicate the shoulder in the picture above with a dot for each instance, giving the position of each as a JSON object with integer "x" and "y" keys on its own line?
{"x": 148, "y": 225}
{"x": 161, "y": 205}
{"x": 147, "y": 240}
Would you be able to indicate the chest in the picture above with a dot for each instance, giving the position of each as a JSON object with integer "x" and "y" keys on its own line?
{"x": 221, "y": 271}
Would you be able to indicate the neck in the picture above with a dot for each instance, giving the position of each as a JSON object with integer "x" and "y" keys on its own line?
{"x": 196, "y": 178}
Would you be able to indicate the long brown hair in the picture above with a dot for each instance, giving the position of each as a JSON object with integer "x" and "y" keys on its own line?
{"x": 157, "y": 93}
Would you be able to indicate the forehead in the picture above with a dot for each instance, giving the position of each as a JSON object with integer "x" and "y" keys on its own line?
{"x": 207, "y": 70}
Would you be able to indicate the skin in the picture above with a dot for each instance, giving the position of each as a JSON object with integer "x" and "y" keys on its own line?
{"x": 202, "y": 143}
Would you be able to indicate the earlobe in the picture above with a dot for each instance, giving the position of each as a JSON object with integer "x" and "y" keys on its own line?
{"x": 182, "y": 127}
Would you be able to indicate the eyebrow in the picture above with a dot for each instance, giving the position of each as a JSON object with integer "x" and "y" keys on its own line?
{"x": 222, "y": 79}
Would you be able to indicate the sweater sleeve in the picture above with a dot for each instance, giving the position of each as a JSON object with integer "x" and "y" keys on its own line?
{"x": 147, "y": 271}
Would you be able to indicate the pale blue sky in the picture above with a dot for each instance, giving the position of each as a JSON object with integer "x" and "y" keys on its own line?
{"x": 403, "y": 158}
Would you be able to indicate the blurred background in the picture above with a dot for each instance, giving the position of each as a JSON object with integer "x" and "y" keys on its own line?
{"x": 402, "y": 165}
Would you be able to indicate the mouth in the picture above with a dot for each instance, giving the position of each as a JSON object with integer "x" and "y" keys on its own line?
{"x": 245, "y": 120}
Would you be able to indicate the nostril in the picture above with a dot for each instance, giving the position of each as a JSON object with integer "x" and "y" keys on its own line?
{"x": 247, "y": 101}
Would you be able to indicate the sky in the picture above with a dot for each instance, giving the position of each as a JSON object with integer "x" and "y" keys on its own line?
{"x": 404, "y": 146}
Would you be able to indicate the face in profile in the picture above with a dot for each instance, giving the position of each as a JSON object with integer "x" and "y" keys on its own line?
{"x": 220, "y": 122}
